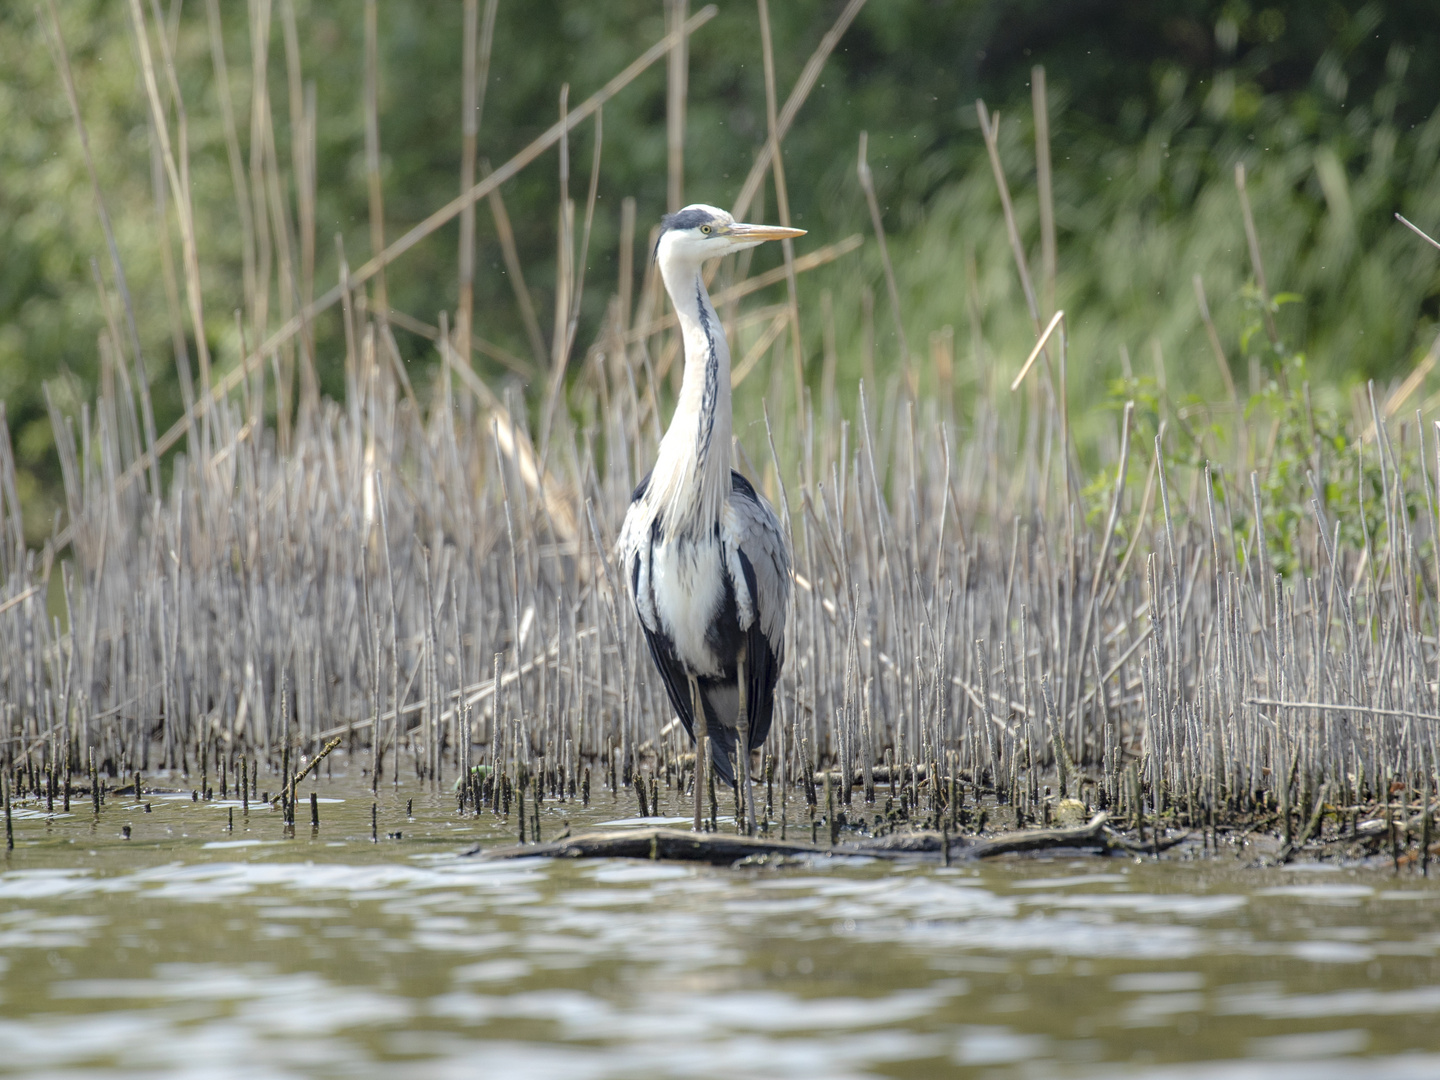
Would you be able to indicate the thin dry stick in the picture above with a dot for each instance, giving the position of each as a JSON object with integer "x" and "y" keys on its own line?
{"x": 516, "y": 273}
{"x": 477, "y": 344}
{"x": 290, "y": 300}
{"x": 564, "y": 287}
{"x": 564, "y": 251}
{"x": 760, "y": 348}
{"x": 259, "y": 112}
{"x": 19, "y": 598}
{"x": 307, "y": 197}
{"x": 590, "y": 198}
{"x": 1437, "y": 527}
{"x": 474, "y": 78}
{"x": 313, "y": 762}
{"x": 372, "y": 153}
{"x": 1218, "y": 351}
{"x": 1417, "y": 230}
{"x": 626, "y": 260}
{"x": 1214, "y": 338}
{"x": 232, "y": 150}
{"x": 782, "y": 202}
{"x": 1037, "y": 351}
{"x": 1336, "y": 706}
{"x": 1041, "y": 106}
{"x": 990, "y": 129}
{"x": 1145, "y": 499}
{"x": 867, "y": 184}
{"x": 677, "y": 79}
{"x": 1252, "y": 240}
{"x": 1397, "y": 397}
{"x": 1099, "y": 574}
{"x": 302, "y": 135}
{"x": 173, "y": 306}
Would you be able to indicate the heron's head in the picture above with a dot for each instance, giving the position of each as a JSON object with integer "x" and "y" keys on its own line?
{"x": 701, "y": 232}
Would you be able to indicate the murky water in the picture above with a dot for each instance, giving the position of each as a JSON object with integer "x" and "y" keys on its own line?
{"x": 194, "y": 950}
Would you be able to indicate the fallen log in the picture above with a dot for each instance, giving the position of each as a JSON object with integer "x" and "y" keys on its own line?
{"x": 719, "y": 849}
{"x": 1094, "y": 833}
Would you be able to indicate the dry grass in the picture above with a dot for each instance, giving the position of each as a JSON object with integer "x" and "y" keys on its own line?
{"x": 409, "y": 569}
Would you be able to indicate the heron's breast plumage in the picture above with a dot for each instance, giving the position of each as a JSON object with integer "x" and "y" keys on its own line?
{"x": 689, "y": 581}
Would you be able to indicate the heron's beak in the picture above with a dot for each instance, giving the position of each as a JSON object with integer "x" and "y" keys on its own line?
{"x": 754, "y": 234}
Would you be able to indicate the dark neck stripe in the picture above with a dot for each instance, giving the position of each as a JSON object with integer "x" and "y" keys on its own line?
{"x": 708, "y": 399}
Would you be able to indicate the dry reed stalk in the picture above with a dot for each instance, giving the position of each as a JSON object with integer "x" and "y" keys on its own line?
{"x": 302, "y": 162}
{"x": 283, "y": 360}
{"x": 782, "y": 199}
{"x": 514, "y": 271}
{"x": 1041, "y": 106}
{"x": 756, "y": 352}
{"x": 592, "y": 194}
{"x": 626, "y": 264}
{"x": 677, "y": 71}
{"x": 478, "y": 345}
{"x": 990, "y": 129}
{"x": 259, "y": 110}
{"x": 372, "y": 149}
{"x": 1252, "y": 241}
{"x": 474, "y": 79}
{"x": 1417, "y": 230}
{"x": 867, "y": 185}
{"x": 1213, "y": 337}
{"x": 179, "y": 189}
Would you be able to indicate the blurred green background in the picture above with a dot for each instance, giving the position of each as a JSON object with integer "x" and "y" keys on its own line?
{"x": 1331, "y": 107}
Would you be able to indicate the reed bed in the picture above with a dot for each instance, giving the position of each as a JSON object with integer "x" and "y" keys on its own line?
{"x": 425, "y": 573}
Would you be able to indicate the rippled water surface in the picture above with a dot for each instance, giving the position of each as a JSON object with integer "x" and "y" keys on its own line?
{"x": 194, "y": 950}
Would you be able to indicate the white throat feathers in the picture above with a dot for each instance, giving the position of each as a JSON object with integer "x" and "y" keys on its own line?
{"x": 691, "y": 479}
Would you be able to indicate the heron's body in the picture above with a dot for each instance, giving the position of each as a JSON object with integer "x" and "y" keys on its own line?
{"x": 709, "y": 601}
{"x": 704, "y": 553}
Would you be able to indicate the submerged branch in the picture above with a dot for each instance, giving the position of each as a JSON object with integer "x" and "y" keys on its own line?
{"x": 675, "y": 845}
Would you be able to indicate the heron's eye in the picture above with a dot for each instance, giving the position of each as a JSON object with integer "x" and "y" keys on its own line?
{"x": 705, "y": 229}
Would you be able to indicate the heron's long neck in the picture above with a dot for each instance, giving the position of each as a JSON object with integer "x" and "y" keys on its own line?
{"x": 692, "y": 473}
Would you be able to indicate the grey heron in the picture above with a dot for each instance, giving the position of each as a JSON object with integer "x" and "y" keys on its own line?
{"x": 707, "y": 561}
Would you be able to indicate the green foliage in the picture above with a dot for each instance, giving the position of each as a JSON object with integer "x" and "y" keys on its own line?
{"x": 1151, "y": 107}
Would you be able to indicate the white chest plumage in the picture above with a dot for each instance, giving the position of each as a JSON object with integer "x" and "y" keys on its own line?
{"x": 688, "y": 589}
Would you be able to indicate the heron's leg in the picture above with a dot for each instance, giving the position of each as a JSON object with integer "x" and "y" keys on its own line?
{"x": 702, "y": 749}
{"x": 742, "y": 742}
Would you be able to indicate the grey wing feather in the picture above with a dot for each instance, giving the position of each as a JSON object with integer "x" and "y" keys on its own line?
{"x": 762, "y": 562}
{"x": 753, "y": 528}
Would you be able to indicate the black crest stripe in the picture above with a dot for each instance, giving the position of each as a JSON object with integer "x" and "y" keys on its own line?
{"x": 683, "y": 219}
